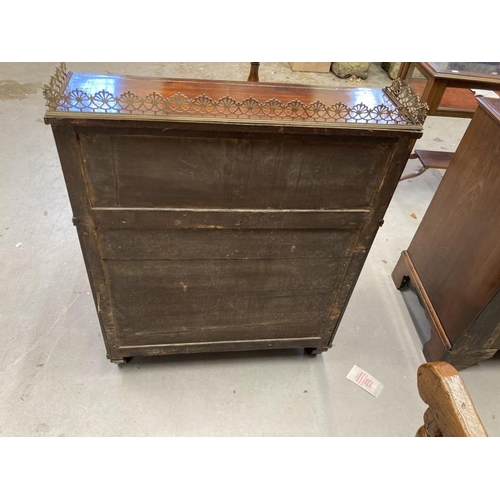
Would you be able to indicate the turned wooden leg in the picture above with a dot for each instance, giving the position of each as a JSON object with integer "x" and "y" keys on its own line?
{"x": 254, "y": 72}
{"x": 313, "y": 351}
{"x": 418, "y": 172}
{"x": 120, "y": 361}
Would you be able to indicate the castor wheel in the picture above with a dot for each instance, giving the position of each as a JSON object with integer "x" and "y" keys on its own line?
{"x": 121, "y": 361}
{"x": 314, "y": 351}
{"x": 405, "y": 282}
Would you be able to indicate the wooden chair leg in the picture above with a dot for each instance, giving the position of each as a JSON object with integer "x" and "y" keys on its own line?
{"x": 418, "y": 172}
{"x": 429, "y": 159}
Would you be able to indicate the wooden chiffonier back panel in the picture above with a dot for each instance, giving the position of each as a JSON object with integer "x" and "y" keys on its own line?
{"x": 218, "y": 215}
{"x": 207, "y": 238}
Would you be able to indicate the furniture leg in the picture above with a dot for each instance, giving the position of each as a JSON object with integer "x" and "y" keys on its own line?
{"x": 433, "y": 93}
{"x": 254, "y": 72}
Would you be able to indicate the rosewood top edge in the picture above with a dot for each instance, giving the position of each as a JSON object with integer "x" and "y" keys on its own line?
{"x": 117, "y": 96}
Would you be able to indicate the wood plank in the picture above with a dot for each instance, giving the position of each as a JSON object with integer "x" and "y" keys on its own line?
{"x": 236, "y": 333}
{"x": 394, "y": 165}
{"x": 176, "y": 296}
{"x": 224, "y": 346}
{"x": 439, "y": 342}
{"x": 69, "y": 154}
{"x": 491, "y": 107}
{"x": 179, "y": 318}
{"x": 453, "y": 98}
{"x": 456, "y": 269}
{"x": 188, "y": 244}
{"x": 183, "y": 172}
{"x": 162, "y": 219}
{"x": 434, "y": 159}
{"x": 286, "y": 132}
{"x": 482, "y": 338}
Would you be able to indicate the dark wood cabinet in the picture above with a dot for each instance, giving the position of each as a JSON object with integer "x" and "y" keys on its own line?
{"x": 217, "y": 216}
{"x": 453, "y": 261}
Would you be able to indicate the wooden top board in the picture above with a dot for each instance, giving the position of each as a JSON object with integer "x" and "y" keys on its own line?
{"x": 118, "y": 96}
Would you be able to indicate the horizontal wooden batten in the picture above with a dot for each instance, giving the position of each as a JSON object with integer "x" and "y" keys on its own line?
{"x": 236, "y": 244}
{"x": 240, "y": 333}
{"x": 130, "y": 218}
{"x": 285, "y": 131}
{"x": 233, "y": 345}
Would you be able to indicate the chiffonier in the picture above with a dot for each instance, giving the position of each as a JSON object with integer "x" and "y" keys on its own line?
{"x": 221, "y": 216}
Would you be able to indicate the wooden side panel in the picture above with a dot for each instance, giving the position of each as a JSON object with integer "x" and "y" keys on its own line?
{"x": 71, "y": 161}
{"x": 460, "y": 270}
{"x": 194, "y": 172}
{"x": 394, "y": 164}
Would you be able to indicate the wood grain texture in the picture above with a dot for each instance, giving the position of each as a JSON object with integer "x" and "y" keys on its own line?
{"x": 381, "y": 197}
{"x": 71, "y": 162}
{"x": 406, "y": 268}
{"x": 174, "y": 218}
{"x": 233, "y": 244}
{"x": 478, "y": 343}
{"x": 451, "y": 409}
{"x": 434, "y": 159}
{"x": 212, "y": 295}
{"x": 460, "y": 270}
{"x": 454, "y": 257}
{"x": 231, "y": 173}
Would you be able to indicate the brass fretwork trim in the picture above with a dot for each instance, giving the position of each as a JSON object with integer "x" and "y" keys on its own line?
{"x": 408, "y": 110}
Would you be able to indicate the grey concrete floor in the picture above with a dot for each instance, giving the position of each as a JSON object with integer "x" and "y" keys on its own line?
{"x": 54, "y": 376}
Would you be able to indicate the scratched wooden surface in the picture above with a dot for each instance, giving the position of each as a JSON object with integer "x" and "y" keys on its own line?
{"x": 204, "y": 236}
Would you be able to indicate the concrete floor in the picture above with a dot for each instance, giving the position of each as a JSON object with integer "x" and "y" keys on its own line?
{"x": 54, "y": 376}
